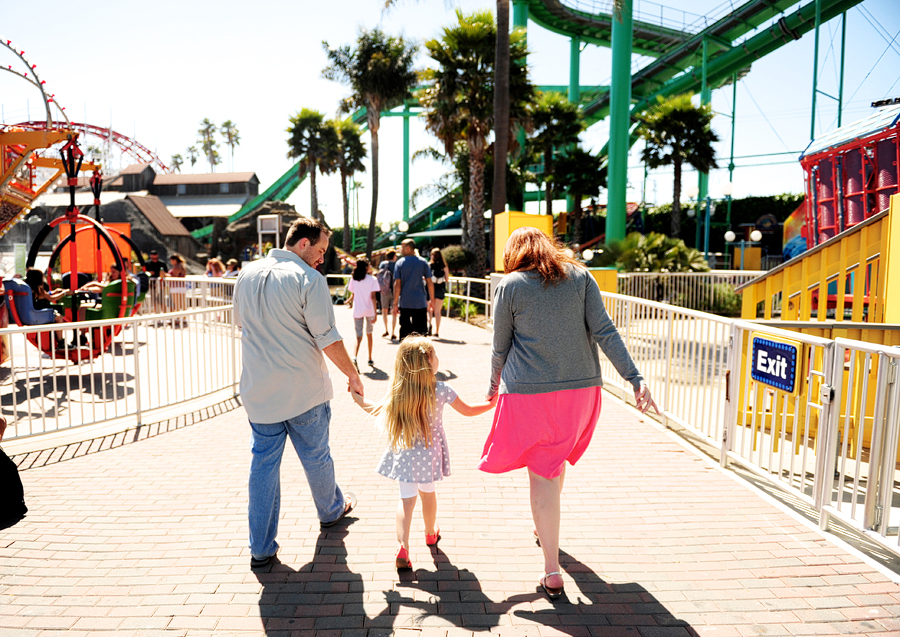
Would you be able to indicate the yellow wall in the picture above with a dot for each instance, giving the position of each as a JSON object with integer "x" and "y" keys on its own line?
{"x": 506, "y": 222}
{"x": 607, "y": 279}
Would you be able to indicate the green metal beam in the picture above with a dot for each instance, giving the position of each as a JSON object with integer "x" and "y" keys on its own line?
{"x": 620, "y": 100}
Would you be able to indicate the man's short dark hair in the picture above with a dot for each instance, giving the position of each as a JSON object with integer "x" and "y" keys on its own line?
{"x": 303, "y": 228}
{"x": 391, "y": 255}
{"x": 409, "y": 242}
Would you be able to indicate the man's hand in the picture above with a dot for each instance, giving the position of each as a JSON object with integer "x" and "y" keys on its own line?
{"x": 355, "y": 387}
{"x": 643, "y": 400}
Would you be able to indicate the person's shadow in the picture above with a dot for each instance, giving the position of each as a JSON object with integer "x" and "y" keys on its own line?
{"x": 446, "y": 596}
{"x": 625, "y": 606}
{"x": 323, "y": 594}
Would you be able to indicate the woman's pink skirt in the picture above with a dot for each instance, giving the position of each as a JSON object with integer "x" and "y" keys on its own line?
{"x": 541, "y": 431}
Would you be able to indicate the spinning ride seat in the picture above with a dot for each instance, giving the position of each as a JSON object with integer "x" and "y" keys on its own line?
{"x": 83, "y": 279}
{"x": 111, "y": 303}
{"x": 21, "y": 304}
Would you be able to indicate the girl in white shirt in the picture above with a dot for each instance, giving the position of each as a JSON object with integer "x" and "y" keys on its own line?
{"x": 363, "y": 287}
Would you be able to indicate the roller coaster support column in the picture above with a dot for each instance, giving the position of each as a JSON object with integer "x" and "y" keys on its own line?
{"x": 731, "y": 157}
{"x": 520, "y": 21}
{"x": 619, "y": 121}
{"x": 574, "y": 91}
{"x": 406, "y": 115}
{"x": 703, "y": 178}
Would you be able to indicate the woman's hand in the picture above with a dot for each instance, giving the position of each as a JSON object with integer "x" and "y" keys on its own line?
{"x": 643, "y": 400}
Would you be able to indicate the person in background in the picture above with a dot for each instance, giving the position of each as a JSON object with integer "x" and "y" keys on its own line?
{"x": 363, "y": 287}
{"x": 438, "y": 276}
{"x": 385, "y": 278}
{"x": 549, "y": 319}
{"x": 215, "y": 267}
{"x": 177, "y": 289}
{"x": 156, "y": 268}
{"x": 232, "y": 269}
{"x": 409, "y": 293}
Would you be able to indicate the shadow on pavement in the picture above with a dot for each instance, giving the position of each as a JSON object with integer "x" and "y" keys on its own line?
{"x": 320, "y": 595}
{"x": 627, "y": 608}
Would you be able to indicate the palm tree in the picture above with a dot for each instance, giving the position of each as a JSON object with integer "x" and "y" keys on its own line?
{"x": 208, "y": 142}
{"x": 314, "y": 143}
{"x": 557, "y": 123}
{"x": 583, "y": 174}
{"x": 501, "y": 111}
{"x": 381, "y": 75}
{"x": 676, "y": 132}
{"x": 350, "y": 154}
{"x": 192, "y": 154}
{"x": 459, "y": 105}
{"x": 232, "y": 138}
{"x": 177, "y": 162}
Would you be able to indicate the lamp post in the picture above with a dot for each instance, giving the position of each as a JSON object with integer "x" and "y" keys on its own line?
{"x": 755, "y": 237}
{"x": 394, "y": 229}
{"x": 691, "y": 192}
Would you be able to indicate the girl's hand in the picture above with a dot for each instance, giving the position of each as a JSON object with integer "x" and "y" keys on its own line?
{"x": 493, "y": 400}
{"x": 357, "y": 397}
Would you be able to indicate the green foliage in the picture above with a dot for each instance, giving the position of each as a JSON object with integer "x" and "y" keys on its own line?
{"x": 458, "y": 308}
{"x": 675, "y": 132}
{"x": 556, "y": 122}
{"x": 459, "y": 104}
{"x": 652, "y": 253}
{"x": 208, "y": 143}
{"x": 743, "y": 211}
{"x": 350, "y": 153}
{"x": 718, "y": 298}
{"x": 457, "y": 258}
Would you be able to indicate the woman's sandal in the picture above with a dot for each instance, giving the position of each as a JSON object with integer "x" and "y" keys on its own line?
{"x": 432, "y": 540}
{"x": 402, "y": 560}
{"x": 537, "y": 538}
{"x": 552, "y": 593}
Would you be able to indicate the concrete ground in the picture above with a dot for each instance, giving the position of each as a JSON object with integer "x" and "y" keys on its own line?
{"x": 150, "y": 538}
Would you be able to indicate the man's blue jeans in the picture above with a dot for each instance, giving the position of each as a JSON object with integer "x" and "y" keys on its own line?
{"x": 309, "y": 435}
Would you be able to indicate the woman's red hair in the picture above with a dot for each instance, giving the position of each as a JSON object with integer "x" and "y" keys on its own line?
{"x": 530, "y": 249}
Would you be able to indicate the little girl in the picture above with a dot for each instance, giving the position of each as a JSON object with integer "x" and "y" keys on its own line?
{"x": 417, "y": 456}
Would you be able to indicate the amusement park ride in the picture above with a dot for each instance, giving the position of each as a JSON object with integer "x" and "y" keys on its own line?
{"x": 28, "y": 168}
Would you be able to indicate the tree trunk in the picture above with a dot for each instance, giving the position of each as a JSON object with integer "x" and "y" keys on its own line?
{"x": 676, "y": 198}
{"x": 476, "y": 208}
{"x": 575, "y": 221}
{"x": 501, "y": 115}
{"x": 346, "y": 197}
{"x": 313, "y": 193}
{"x": 374, "y": 123}
{"x": 548, "y": 196}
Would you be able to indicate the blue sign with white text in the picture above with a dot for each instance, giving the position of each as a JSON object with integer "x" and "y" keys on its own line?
{"x": 775, "y": 364}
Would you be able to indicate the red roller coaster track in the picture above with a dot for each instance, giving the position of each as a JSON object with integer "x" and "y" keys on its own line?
{"x": 129, "y": 146}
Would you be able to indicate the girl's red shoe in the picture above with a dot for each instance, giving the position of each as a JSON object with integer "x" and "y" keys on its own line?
{"x": 403, "y": 559}
{"x": 432, "y": 540}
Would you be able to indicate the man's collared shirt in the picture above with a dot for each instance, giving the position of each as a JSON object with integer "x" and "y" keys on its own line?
{"x": 285, "y": 309}
{"x": 412, "y": 272}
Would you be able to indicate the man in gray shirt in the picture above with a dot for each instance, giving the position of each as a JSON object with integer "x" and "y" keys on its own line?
{"x": 284, "y": 307}
{"x": 411, "y": 274}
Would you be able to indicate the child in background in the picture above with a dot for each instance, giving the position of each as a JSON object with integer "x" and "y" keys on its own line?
{"x": 417, "y": 455}
{"x": 363, "y": 287}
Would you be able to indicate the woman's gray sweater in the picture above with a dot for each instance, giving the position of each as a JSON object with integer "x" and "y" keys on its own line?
{"x": 545, "y": 335}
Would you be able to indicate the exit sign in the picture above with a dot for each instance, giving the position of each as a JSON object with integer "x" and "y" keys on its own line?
{"x": 775, "y": 363}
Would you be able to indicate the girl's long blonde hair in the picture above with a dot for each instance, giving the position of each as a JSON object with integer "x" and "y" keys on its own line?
{"x": 407, "y": 409}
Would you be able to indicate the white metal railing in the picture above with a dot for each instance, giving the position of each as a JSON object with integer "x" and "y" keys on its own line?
{"x": 683, "y": 355}
{"x": 865, "y": 487}
{"x": 175, "y": 294}
{"x": 155, "y": 361}
{"x": 460, "y": 287}
{"x": 706, "y": 291}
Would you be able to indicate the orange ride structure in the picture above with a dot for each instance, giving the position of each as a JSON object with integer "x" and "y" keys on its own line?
{"x": 27, "y": 170}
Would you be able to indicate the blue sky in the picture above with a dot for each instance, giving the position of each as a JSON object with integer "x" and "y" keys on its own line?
{"x": 156, "y": 74}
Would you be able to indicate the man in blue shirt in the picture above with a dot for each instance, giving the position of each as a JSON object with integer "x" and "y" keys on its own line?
{"x": 411, "y": 275}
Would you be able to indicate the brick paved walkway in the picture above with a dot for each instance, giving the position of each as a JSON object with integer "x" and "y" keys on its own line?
{"x": 149, "y": 538}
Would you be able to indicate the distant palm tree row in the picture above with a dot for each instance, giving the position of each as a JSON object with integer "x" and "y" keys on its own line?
{"x": 458, "y": 98}
{"x": 209, "y": 145}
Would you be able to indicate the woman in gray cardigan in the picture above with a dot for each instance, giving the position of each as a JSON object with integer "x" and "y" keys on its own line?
{"x": 548, "y": 320}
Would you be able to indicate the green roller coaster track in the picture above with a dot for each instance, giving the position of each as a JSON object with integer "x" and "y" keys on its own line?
{"x": 682, "y": 62}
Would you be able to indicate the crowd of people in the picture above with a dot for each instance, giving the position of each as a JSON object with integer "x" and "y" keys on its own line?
{"x": 544, "y": 384}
